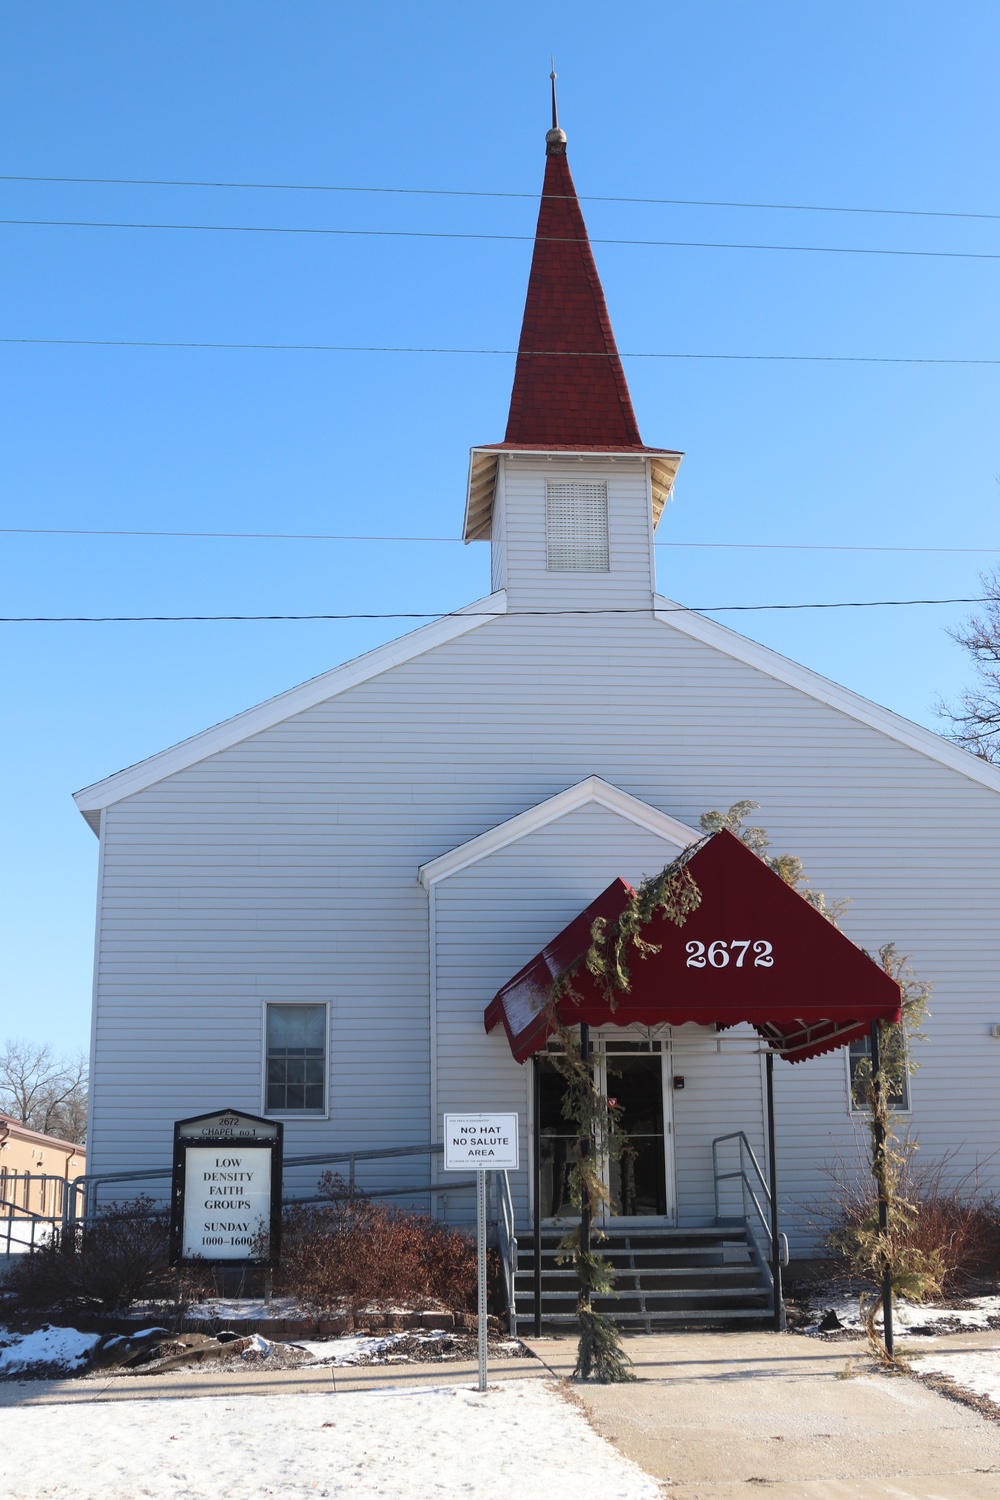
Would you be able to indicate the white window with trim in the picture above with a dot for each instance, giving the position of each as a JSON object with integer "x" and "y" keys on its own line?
{"x": 576, "y": 526}
{"x": 860, "y": 1050}
{"x": 295, "y": 1058}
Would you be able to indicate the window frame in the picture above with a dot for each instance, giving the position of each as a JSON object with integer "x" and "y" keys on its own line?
{"x": 295, "y": 1114}
{"x": 859, "y": 1111}
{"x": 551, "y": 545}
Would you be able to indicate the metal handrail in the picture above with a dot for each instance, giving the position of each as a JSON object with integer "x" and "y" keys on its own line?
{"x": 86, "y": 1187}
{"x": 14, "y": 1214}
{"x": 748, "y": 1190}
{"x": 431, "y": 1188}
{"x": 14, "y": 1184}
{"x": 507, "y": 1242}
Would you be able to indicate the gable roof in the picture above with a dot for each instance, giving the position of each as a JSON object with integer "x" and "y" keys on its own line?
{"x": 91, "y": 799}
{"x": 814, "y": 685}
{"x": 591, "y": 789}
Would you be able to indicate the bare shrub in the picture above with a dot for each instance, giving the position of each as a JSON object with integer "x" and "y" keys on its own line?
{"x": 120, "y": 1258}
{"x": 354, "y": 1252}
{"x": 951, "y": 1222}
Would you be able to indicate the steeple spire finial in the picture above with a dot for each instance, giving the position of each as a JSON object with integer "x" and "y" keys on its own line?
{"x": 555, "y": 139}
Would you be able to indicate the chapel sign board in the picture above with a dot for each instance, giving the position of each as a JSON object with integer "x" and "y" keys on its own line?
{"x": 226, "y": 1198}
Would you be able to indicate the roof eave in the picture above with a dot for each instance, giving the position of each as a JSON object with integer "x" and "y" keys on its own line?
{"x": 136, "y": 778}
{"x": 484, "y": 464}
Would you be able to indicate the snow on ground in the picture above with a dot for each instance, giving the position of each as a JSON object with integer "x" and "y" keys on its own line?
{"x": 244, "y": 1307}
{"x": 237, "y": 1308}
{"x": 63, "y": 1347}
{"x": 910, "y": 1316}
{"x": 520, "y": 1437}
{"x": 348, "y": 1351}
{"x": 976, "y": 1370}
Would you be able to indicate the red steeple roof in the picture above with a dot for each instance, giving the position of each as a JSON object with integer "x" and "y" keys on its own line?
{"x": 570, "y": 393}
{"x": 569, "y": 385}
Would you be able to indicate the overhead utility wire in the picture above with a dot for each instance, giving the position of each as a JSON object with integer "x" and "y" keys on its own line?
{"x": 448, "y": 234}
{"x": 321, "y": 187}
{"x": 835, "y": 359}
{"x": 469, "y": 614}
{"x": 323, "y": 536}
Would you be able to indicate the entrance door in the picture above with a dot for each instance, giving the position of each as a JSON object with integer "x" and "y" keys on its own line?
{"x": 638, "y": 1182}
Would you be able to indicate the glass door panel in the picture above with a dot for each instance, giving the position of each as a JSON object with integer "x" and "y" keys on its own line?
{"x": 637, "y": 1180}
{"x": 556, "y": 1142}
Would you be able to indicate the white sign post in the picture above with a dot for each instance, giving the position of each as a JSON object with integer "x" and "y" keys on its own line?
{"x": 482, "y": 1143}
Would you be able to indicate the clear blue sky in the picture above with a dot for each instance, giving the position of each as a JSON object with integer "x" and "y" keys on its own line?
{"x": 887, "y": 106}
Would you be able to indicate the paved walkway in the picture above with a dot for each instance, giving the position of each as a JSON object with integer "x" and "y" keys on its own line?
{"x": 722, "y": 1416}
{"x": 715, "y": 1416}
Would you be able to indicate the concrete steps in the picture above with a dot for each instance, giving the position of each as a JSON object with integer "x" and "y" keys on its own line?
{"x": 665, "y": 1278}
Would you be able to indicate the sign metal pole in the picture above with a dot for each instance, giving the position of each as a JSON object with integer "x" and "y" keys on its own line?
{"x": 484, "y": 1143}
{"x": 481, "y": 1248}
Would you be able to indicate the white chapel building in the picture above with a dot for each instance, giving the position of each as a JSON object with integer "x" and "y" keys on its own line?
{"x": 305, "y": 911}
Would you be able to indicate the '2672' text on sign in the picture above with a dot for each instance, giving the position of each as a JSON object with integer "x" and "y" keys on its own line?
{"x": 480, "y": 1142}
{"x": 756, "y": 953}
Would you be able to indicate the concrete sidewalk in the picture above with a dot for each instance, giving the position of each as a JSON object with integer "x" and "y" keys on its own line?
{"x": 223, "y": 1380}
{"x": 715, "y": 1416}
{"x": 721, "y": 1416}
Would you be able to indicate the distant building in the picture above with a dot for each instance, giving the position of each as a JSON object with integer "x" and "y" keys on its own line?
{"x": 29, "y": 1161}
{"x": 305, "y": 910}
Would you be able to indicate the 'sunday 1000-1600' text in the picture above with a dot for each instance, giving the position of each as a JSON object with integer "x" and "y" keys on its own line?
{"x": 227, "y": 1201}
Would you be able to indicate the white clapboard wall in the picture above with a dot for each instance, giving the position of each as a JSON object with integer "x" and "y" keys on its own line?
{"x": 284, "y": 865}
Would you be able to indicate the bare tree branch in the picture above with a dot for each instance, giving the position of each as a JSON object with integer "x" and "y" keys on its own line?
{"x": 975, "y": 718}
{"x": 43, "y": 1091}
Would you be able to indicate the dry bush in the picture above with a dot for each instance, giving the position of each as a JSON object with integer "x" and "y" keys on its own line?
{"x": 118, "y": 1259}
{"x": 355, "y": 1252}
{"x": 952, "y": 1222}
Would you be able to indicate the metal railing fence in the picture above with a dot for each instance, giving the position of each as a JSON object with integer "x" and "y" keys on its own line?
{"x": 755, "y": 1197}
{"x": 84, "y": 1199}
{"x": 78, "y": 1201}
{"x": 506, "y": 1242}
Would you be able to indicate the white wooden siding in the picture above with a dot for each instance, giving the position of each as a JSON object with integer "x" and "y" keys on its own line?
{"x": 520, "y": 536}
{"x": 494, "y": 916}
{"x": 722, "y": 1093}
{"x": 285, "y": 867}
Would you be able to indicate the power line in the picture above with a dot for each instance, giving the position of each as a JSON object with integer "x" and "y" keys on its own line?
{"x": 324, "y": 536}
{"x": 837, "y": 359}
{"x": 467, "y": 614}
{"x": 449, "y": 234}
{"x": 319, "y": 187}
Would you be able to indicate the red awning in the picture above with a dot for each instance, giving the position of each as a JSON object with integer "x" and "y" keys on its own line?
{"x": 754, "y": 951}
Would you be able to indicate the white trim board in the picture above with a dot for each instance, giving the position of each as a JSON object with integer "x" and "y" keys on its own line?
{"x": 593, "y": 789}
{"x": 804, "y": 680}
{"x": 91, "y": 799}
